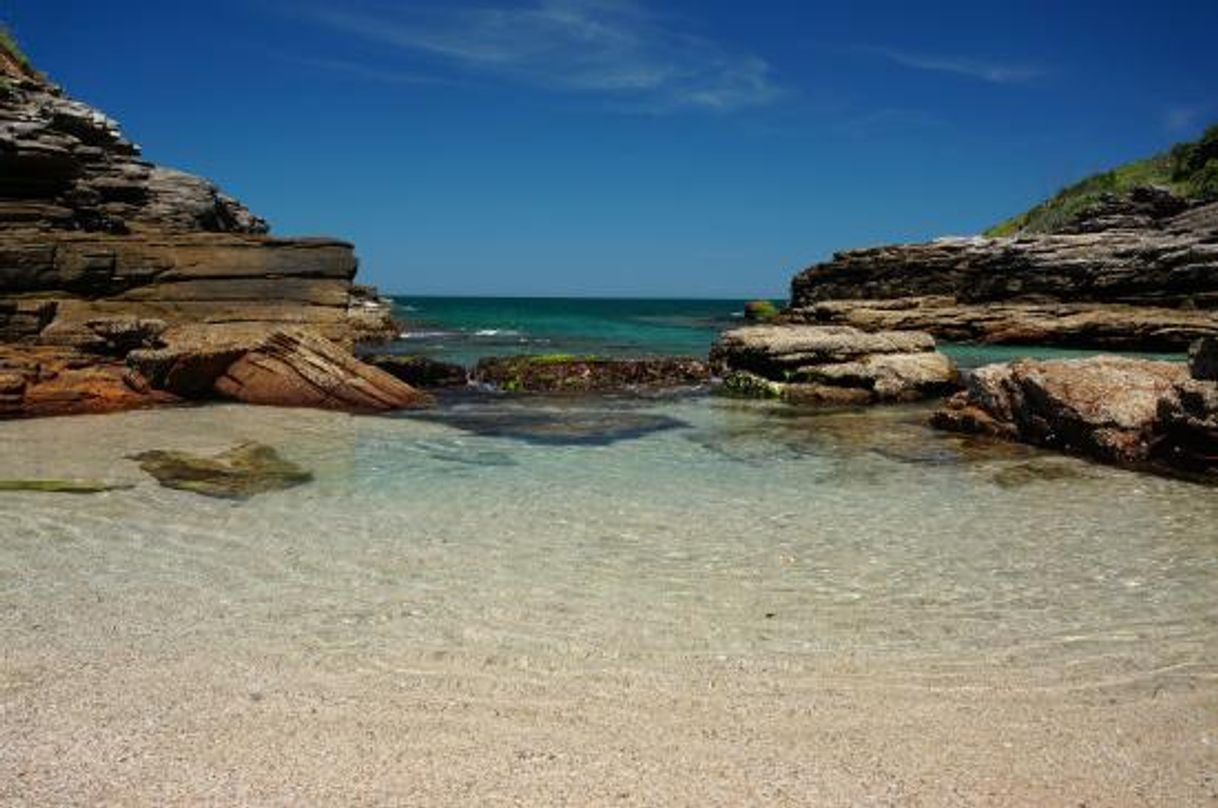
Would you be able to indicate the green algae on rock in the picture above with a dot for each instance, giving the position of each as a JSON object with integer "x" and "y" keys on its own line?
{"x": 237, "y": 473}
{"x": 63, "y": 486}
{"x": 760, "y": 311}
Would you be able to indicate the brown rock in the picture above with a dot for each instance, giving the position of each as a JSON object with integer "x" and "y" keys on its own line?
{"x": 1104, "y": 407}
{"x": 1144, "y": 276}
{"x": 39, "y": 381}
{"x": 832, "y": 364}
{"x": 296, "y": 369}
{"x": 1112, "y": 326}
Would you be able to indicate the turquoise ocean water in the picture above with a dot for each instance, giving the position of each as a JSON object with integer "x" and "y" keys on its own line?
{"x": 462, "y": 329}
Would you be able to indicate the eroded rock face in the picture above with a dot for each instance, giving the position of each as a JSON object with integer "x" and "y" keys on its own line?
{"x": 1130, "y": 275}
{"x": 573, "y": 374}
{"x": 1129, "y": 412}
{"x": 38, "y": 381}
{"x": 238, "y": 473}
{"x": 67, "y": 166}
{"x": 831, "y": 364}
{"x": 89, "y": 231}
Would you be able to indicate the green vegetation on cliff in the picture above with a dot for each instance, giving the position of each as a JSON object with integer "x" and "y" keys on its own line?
{"x": 1189, "y": 170}
{"x": 11, "y": 49}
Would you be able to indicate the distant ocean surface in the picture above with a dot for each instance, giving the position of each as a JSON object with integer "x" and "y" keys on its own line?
{"x": 463, "y": 329}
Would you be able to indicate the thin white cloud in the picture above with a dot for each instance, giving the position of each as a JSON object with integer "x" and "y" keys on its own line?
{"x": 614, "y": 48}
{"x": 363, "y": 71}
{"x": 995, "y": 72}
{"x": 1183, "y": 119}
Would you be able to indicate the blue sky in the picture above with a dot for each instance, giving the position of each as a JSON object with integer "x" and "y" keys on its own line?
{"x": 632, "y": 147}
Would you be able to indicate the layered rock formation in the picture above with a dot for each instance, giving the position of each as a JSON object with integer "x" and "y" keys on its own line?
{"x": 1128, "y": 412}
{"x": 1140, "y": 272}
{"x": 103, "y": 253}
{"x": 831, "y": 364}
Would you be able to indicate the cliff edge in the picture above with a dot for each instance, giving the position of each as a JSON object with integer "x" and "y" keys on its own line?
{"x": 104, "y": 255}
{"x": 1106, "y": 263}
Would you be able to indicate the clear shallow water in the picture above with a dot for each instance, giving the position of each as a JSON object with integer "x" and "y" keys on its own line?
{"x": 685, "y": 600}
{"x": 716, "y": 528}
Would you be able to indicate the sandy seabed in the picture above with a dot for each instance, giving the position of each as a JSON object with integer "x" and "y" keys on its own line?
{"x": 750, "y": 609}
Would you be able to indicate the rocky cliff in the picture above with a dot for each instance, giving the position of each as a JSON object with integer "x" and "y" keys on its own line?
{"x": 124, "y": 284}
{"x": 88, "y": 229}
{"x": 1138, "y": 270}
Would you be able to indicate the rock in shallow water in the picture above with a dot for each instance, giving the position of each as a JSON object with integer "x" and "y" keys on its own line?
{"x": 63, "y": 486}
{"x": 420, "y": 371}
{"x": 589, "y": 374}
{"x": 238, "y": 473}
{"x": 831, "y": 364}
{"x": 573, "y": 427}
{"x": 1129, "y": 412}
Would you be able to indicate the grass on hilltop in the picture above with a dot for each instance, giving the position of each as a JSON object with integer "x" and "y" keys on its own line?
{"x": 1189, "y": 170}
{"x": 12, "y": 49}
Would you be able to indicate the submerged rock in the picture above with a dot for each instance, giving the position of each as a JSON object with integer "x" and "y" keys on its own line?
{"x": 63, "y": 486}
{"x": 560, "y": 427}
{"x": 561, "y": 373}
{"x": 238, "y": 473}
{"x": 831, "y": 364}
{"x": 420, "y": 371}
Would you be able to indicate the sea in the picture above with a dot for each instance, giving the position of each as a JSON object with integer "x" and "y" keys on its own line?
{"x": 663, "y": 600}
{"x": 464, "y": 329}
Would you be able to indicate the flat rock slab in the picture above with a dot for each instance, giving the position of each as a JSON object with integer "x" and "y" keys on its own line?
{"x": 812, "y": 364}
{"x": 792, "y": 346}
{"x": 238, "y": 473}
